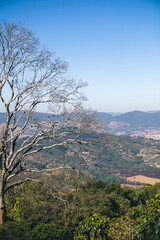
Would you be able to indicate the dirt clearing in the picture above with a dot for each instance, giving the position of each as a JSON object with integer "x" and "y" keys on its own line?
{"x": 143, "y": 179}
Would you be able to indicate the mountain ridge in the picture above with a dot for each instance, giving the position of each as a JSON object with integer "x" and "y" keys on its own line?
{"x": 134, "y": 123}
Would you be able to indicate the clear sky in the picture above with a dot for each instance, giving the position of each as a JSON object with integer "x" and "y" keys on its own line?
{"x": 114, "y": 45}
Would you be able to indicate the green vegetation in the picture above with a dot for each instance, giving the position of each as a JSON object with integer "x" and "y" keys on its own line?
{"x": 97, "y": 210}
{"x": 71, "y": 206}
{"x": 109, "y": 160}
{"x": 94, "y": 227}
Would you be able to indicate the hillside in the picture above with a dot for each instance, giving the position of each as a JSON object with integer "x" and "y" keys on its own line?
{"x": 111, "y": 160}
{"x": 136, "y": 123}
{"x": 119, "y": 156}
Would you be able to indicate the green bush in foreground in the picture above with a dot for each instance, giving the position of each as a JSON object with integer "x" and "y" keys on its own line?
{"x": 94, "y": 227}
{"x": 17, "y": 231}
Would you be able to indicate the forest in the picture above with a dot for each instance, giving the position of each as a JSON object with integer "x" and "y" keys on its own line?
{"x": 85, "y": 210}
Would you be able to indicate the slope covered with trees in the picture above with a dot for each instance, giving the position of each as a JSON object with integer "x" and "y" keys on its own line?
{"x": 117, "y": 156}
{"x": 96, "y": 210}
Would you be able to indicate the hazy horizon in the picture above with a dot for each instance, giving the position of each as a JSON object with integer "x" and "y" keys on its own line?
{"x": 111, "y": 113}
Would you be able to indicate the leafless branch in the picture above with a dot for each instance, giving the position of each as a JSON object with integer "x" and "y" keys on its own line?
{"x": 34, "y": 77}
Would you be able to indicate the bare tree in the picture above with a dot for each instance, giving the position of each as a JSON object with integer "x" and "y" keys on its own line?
{"x": 31, "y": 77}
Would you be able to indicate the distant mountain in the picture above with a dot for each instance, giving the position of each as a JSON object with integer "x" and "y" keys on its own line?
{"x": 135, "y": 123}
{"x": 37, "y": 115}
{"x": 140, "y": 119}
{"x": 105, "y": 117}
{"x": 2, "y": 117}
{"x": 114, "y": 113}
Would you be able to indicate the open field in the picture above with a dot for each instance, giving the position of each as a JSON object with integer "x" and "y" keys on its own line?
{"x": 143, "y": 179}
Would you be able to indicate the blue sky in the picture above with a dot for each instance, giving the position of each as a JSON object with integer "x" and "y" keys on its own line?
{"x": 114, "y": 45}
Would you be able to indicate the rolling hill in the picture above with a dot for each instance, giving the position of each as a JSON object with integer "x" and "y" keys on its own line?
{"x": 136, "y": 123}
{"x": 118, "y": 157}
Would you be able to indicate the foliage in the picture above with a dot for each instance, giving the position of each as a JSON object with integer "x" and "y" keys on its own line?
{"x": 41, "y": 231}
{"x": 148, "y": 219}
{"x": 97, "y": 210}
{"x": 33, "y": 202}
{"x": 94, "y": 227}
{"x": 140, "y": 222}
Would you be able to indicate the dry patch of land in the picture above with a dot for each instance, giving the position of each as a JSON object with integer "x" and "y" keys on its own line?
{"x": 131, "y": 185}
{"x": 143, "y": 179}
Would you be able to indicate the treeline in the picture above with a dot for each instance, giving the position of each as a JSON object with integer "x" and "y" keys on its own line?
{"x": 97, "y": 210}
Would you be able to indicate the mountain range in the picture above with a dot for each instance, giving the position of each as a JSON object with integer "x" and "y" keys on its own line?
{"x": 120, "y": 156}
{"x": 135, "y": 123}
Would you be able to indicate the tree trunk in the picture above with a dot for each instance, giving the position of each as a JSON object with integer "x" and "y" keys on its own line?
{"x": 1, "y": 215}
{"x": 2, "y": 204}
{"x": 2, "y": 207}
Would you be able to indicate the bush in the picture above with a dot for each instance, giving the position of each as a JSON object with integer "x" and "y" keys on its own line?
{"x": 94, "y": 227}
{"x": 39, "y": 232}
